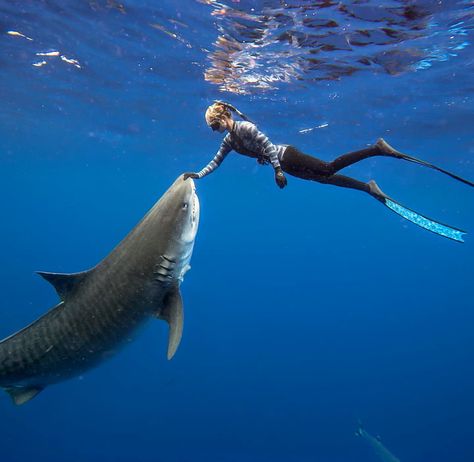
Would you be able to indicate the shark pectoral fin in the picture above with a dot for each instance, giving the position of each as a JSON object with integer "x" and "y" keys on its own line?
{"x": 21, "y": 395}
{"x": 172, "y": 313}
{"x": 64, "y": 283}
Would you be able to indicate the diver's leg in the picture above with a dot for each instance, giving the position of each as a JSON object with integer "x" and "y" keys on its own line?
{"x": 353, "y": 157}
{"x": 380, "y": 148}
{"x": 300, "y": 164}
{"x": 311, "y": 166}
{"x": 344, "y": 182}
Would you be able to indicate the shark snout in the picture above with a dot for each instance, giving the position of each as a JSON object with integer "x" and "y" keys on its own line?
{"x": 183, "y": 194}
{"x": 192, "y": 202}
{"x": 190, "y": 197}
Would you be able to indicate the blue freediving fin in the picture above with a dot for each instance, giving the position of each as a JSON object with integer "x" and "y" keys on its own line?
{"x": 424, "y": 222}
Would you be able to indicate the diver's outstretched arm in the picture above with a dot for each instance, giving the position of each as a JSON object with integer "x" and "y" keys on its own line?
{"x": 214, "y": 163}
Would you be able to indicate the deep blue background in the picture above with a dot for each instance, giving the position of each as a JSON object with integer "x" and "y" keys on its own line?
{"x": 306, "y": 309}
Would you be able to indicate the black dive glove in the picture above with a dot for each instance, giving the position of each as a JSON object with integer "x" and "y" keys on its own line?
{"x": 192, "y": 175}
{"x": 280, "y": 178}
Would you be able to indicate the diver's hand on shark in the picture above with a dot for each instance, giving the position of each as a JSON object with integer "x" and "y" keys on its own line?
{"x": 280, "y": 178}
{"x": 192, "y": 175}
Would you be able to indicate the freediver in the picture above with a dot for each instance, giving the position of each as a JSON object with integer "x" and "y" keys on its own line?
{"x": 245, "y": 138}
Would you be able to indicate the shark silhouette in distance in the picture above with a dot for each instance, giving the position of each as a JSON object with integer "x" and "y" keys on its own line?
{"x": 100, "y": 309}
{"x": 376, "y": 444}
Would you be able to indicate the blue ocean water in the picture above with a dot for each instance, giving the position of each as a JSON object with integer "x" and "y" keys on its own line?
{"x": 307, "y": 309}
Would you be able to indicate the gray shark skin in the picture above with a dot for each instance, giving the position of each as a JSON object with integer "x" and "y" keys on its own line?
{"x": 380, "y": 450}
{"x": 102, "y": 308}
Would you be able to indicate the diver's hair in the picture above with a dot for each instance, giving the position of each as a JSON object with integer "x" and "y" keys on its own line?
{"x": 216, "y": 111}
{"x": 220, "y": 109}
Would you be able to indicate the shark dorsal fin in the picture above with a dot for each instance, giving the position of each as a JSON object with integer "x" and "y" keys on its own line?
{"x": 64, "y": 283}
{"x": 172, "y": 313}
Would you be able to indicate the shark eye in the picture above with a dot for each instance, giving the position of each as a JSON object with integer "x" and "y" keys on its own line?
{"x": 185, "y": 205}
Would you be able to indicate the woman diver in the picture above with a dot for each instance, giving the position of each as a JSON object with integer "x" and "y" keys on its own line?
{"x": 245, "y": 138}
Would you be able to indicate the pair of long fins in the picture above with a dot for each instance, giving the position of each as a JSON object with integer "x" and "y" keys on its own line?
{"x": 424, "y": 222}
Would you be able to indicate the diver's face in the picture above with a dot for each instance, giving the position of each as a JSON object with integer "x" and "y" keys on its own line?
{"x": 218, "y": 125}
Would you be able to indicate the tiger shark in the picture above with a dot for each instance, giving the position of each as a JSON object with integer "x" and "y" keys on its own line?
{"x": 374, "y": 442}
{"x": 102, "y": 308}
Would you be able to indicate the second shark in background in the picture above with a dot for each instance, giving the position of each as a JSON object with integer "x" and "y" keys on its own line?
{"x": 379, "y": 449}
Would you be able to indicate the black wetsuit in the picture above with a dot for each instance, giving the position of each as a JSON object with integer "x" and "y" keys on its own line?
{"x": 301, "y": 165}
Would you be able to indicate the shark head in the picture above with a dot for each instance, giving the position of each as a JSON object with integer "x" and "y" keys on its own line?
{"x": 191, "y": 211}
{"x": 181, "y": 208}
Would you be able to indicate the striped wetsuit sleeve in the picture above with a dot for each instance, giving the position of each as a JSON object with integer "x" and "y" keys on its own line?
{"x": 218, "y": 158}
{"x": 269, "y": 149}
